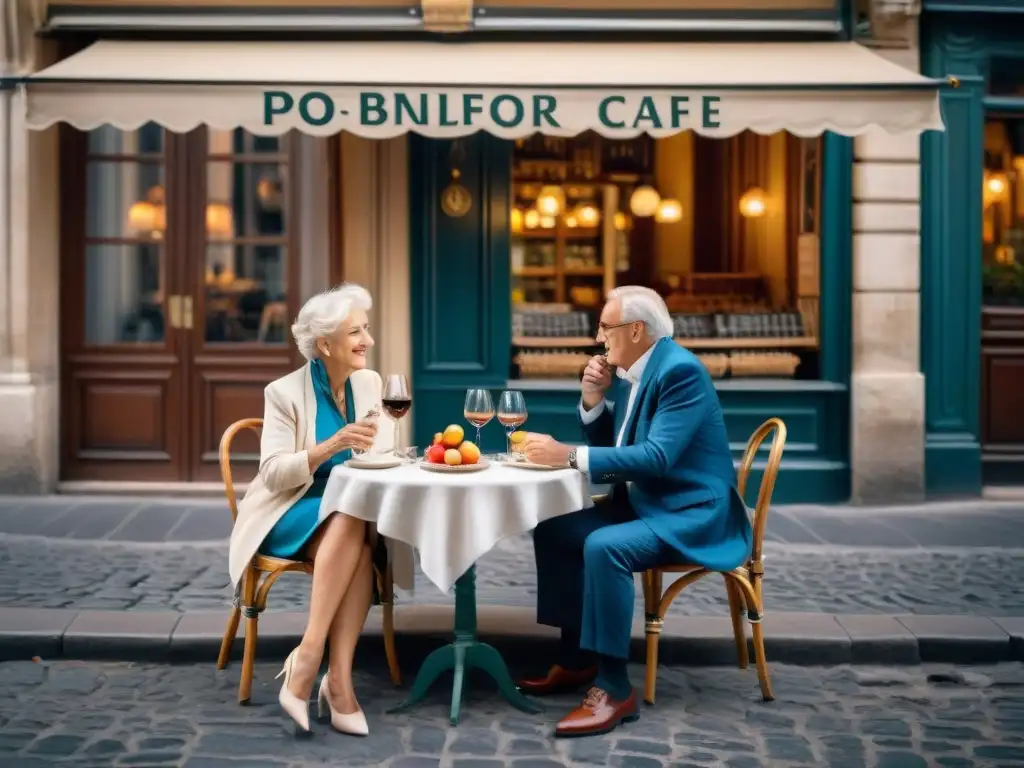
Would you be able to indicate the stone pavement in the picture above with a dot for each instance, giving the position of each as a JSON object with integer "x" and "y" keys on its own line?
{"x": 94, "y": 715}
{"x": 930, "y": 575}
{"x": 151, "y": 554}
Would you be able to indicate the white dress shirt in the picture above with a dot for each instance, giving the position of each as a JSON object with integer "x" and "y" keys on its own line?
{"x": 633, "y": 376}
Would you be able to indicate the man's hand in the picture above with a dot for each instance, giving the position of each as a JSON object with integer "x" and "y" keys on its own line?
{"x": 597, "y": 378}
{"x": 544, "y": 449}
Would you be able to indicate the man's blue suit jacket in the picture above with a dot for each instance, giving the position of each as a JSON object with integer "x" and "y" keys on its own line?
{"x": 675, "y": 456}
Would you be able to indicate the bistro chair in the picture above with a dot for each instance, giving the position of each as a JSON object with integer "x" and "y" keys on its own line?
{"x": 251, "y": 595}
{"x": 742, "y": 585}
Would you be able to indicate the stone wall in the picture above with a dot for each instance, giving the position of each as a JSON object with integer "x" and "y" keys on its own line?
{"x": 29, "y": 243}
{"x": 887, "y": 386}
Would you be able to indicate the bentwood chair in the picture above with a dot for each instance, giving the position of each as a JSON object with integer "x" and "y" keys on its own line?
{"x": 251, "y": 595}
{"x": 742, "y": 585}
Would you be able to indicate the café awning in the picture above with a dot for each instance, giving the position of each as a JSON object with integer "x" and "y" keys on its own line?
{"x": 381, "y": 89}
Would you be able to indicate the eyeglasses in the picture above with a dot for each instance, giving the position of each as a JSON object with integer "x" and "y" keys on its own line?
{"x": 603, "y": 328}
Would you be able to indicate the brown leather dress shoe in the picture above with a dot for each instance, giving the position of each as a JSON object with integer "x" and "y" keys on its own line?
{"x": 558, "y": 680}
{"x": 599, "y": 713}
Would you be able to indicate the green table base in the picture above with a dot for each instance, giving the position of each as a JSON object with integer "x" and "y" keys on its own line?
{"x": 464, "y": 654}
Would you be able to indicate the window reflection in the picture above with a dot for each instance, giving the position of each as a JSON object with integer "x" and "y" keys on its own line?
{"x": 125, "y": 220}
{"x": 246, "y": 254}
{"x": 1003, "y": 212}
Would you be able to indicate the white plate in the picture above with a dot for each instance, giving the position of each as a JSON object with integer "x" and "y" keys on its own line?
{"x": 480, "y": 465}
{"x": 531, "y": 465}
{"x": 374, "y": 462}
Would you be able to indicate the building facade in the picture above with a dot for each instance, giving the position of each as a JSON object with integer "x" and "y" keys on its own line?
{"x": 155, "y": 244}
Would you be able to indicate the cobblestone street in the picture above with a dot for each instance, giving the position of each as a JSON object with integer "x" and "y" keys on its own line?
{"x": 100, "y": 715}
{"x": 58, "y": 573}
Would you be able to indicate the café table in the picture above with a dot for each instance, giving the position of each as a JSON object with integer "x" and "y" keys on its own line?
{"x": 452, "y": 519}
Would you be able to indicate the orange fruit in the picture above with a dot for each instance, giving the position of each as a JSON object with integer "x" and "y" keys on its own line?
{"x": 452, "y": 436}
{"x": 469, "y": 452}
{"x": 452, "y": 457}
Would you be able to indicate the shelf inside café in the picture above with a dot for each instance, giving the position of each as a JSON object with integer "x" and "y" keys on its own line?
{"x": 552, "y": 271}
{"x": 566, "y": 233}
{"x": 754, "y": 342}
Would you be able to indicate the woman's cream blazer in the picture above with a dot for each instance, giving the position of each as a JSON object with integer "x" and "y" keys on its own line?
{"x": 289, "y": 433}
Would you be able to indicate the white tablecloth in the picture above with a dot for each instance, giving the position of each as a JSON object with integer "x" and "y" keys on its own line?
{"x": 452, "y": 519}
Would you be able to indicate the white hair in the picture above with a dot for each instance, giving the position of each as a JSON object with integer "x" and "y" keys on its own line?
{"x": 644, "y": 305}
{"x": 323, "y": 314}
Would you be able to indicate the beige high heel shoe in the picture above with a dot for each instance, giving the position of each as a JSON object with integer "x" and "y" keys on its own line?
{"x": 353, "y": 724}
{"x": 294, "y": 707}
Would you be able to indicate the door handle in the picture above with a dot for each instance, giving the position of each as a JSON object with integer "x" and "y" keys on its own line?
{"x": 174, "y": 311}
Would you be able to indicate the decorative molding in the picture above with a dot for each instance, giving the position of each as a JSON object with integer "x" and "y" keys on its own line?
{"x": 19, "y": 22}
{"x": 891, "y": 23}
{"x": 447, "y": 16}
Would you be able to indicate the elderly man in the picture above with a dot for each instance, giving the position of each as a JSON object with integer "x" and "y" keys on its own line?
{"x": 654, "y": 432}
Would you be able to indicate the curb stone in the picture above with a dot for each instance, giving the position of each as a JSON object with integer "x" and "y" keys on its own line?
{"x": 805, "y": 639}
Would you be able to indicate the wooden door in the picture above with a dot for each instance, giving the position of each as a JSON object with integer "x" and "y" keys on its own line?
{"x": 241, "y": 289}
{"x": 123, "y": 393}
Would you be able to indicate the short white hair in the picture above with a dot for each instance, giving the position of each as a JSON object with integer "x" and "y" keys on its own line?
{"x": 323, "y": 314}
{"x": 644, "y": 305}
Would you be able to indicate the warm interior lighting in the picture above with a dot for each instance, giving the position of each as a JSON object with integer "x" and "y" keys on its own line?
{"x": 531, "y": 219}
{"x": 621, "y": 221}
{"x": 219, "y": 220}
{"x": 571, "y": 222}
{"x": 551, "y": 200}
{"x": 644, "y": 201}
{"x": 752, "y": 204}
{"x": 149, "y": 217}
{"x": 516, "y": 220}
{"x": 996, "y": 185}
{"x": 669, "y": 212}
{"x": 587, "y": 215}
{"x": 548, "y": 222}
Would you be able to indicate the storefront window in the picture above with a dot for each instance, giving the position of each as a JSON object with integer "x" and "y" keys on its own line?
{"x": 726, "y": 230}
{"x": 1003, "y": 212}
{"x": 246, "y": 238}
{"x": 124, "y": 236}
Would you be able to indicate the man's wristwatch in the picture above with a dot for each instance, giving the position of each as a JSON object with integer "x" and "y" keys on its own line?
{"x": 571, "y": 460}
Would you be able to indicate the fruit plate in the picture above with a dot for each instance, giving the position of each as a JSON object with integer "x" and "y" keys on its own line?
{"x": 480, "y": 465}
{"x": 375, "y": 462}
{"x": 531, "y": 465}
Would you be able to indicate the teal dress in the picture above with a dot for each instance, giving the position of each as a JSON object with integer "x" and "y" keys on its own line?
{"x": 296, "y": 527}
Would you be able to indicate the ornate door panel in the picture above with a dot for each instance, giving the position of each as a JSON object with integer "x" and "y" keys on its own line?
{"x": 243, "y": 278}
{"x": 123, "y": 389}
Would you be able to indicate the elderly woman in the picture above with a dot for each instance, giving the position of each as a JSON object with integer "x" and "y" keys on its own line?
{"x": 314, "y": 417}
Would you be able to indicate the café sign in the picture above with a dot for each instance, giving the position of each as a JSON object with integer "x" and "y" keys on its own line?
{"x": 509, "y": 114}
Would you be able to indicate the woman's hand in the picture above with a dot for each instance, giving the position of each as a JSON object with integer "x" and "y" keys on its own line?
{"x": 358, "y": 435}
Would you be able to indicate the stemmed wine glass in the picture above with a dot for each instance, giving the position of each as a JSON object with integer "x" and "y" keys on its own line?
{"x": 396, "y": 400}
{"x": 512, "y": 415}
{"x": 478, "y": 410}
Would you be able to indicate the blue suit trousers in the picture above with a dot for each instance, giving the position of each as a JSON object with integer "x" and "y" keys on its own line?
{"x": 585, "y": 566}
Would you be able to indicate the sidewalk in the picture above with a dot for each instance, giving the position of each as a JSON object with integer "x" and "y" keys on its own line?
{"x": 147, "y": 579}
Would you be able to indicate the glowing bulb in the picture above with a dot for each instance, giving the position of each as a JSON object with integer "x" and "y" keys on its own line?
{"x": 570, "y": 222}
{"x": 996, "y": 185}
{"x": 516, "y": 220}
{"x": 547, "y": 222}
{"x": 752, "y": 204}
{"x": 551, "y": 200}
{"x": 645, "y": 201}
{"x": 587, "y": 215}
{"x": 620, "y": 221}
{"x": 669, "y": 212}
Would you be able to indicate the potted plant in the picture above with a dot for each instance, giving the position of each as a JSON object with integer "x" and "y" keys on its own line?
{"x": 1003, "y": 284}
